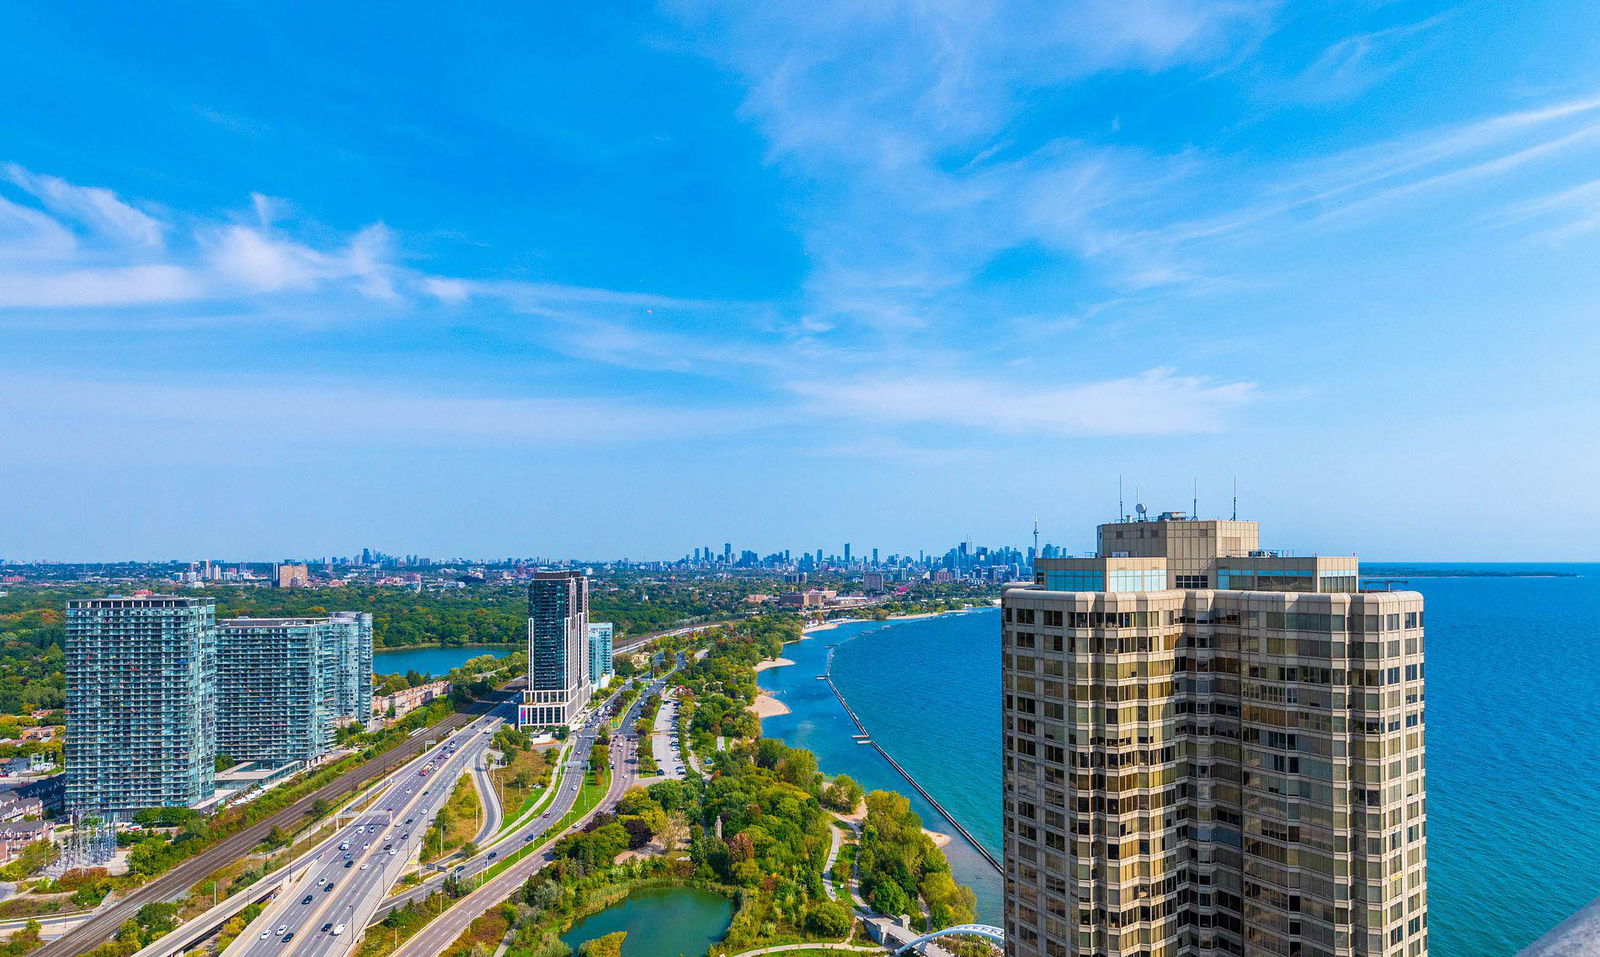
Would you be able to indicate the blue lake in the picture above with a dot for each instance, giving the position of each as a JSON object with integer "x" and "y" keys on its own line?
{"x": 1513, "y": 770}
{"x": 428, "y": 661}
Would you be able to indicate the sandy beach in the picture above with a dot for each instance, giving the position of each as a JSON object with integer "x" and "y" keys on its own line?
{"x": 767, "y": 706}
{"x": 939, "y": 840}
{"x": 828, "y": 625}
{"x": 772, "y": 663}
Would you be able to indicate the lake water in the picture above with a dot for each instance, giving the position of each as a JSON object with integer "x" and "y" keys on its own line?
{"x": 428, "y": 661}
{"x": 1513, "y": 766}
{"x": 660, "y": 922}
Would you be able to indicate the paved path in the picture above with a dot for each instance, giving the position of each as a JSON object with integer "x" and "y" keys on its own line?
{"x": 835, "y": 843}
{"x": 779, "y": 948}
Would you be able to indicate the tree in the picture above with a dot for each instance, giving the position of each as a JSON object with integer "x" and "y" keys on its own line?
{"x": 670, "y": 795}
{"x": 890, "y": 898}
{"x": 608, "y": 946}
{"x": 843, "y": 794}
{"x": 828, "y": 919}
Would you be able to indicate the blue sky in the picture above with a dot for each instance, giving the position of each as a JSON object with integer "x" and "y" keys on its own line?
{"x": 622, "y": 279}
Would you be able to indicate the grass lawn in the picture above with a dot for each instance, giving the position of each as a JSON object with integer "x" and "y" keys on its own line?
{"x": 455, "y": 824}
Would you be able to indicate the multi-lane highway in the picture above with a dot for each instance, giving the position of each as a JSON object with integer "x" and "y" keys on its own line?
{"x": 105, "y": 921}
{"x": 443, "y": 930}
{"x": 343, "y": 880}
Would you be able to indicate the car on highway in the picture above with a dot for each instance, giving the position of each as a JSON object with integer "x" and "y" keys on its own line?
{"x": 530, "y": 836}
{"x": 265, "y": 934}
{"x": 306, "y": 899}
{"x": 349, "y": 863}
{"x": 327, "y": 927}
{"x": 493, "y": 855}
{"x": 365, "y": 865}
{"x": 338, "y": 929}
{"x": 288, "y": 937}
{"x": 282, "y": 928}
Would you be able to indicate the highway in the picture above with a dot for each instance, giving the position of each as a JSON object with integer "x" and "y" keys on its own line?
{"x": 174, "y": 883}
{"x": 443, "y": 930}
{"x": 344, "y": 879}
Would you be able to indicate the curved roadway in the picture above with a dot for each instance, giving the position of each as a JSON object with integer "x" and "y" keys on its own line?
{"x": 443, "y": 930}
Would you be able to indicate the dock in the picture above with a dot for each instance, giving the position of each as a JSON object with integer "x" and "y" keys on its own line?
{"x": 865, "y": 737}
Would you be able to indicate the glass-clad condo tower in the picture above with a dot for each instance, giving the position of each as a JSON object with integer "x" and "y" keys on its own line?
{"x": 141, "y": 703}
{"x": 277, "y": 689}
{"x": 285, "y": 683}
{"x": 1212, "y": 749}
{"x": 601, "y": 667}
{"x": 352, "y": 631}
{"x": 558, "y": 649}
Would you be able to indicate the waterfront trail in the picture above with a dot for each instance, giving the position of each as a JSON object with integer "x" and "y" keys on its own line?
{"x": 866, "y": 738}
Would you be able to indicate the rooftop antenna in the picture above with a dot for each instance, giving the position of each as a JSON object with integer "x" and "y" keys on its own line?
{"x": 1236, "y": 498}
{"x": 1122, "y": 510}
{"x": 1194, "y": 506}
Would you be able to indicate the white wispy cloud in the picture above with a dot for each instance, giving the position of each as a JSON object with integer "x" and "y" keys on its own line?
{"x": 1157, "y": 402}
{"x": 96, "y": 209}
{"x": 316, "y": 413}
{"x": 84, "y": 246}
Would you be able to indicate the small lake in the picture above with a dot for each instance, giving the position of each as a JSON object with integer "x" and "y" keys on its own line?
{"x": 660, "y": 922}
{"x": 428, "y": 661}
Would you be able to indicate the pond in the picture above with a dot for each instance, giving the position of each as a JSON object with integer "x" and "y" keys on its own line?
{"x": 428, "y": 661}
{"x": 660, "y": 922}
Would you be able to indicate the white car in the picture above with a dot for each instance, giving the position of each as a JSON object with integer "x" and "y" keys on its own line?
{"x": 365, "y": 865}
{"x": 282, "y": 928}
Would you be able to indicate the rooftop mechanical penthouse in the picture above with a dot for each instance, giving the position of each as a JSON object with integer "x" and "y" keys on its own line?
{"x": 1212, "y": 749}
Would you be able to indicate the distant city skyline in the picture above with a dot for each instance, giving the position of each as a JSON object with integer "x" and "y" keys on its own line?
{"x": 888, "y": 274}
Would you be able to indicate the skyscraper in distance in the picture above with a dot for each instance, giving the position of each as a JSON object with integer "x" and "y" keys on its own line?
{"x": 1212, "y": 749}
{"x": 141, "y": 703}
{"x": 558, "y": 649}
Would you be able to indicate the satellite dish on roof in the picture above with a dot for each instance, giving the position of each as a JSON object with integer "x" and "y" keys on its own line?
{"x": 1140, "y": 509}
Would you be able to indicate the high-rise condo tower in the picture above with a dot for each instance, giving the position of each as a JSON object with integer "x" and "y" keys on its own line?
{"x": 141, "y": 703}
{"x": 558, "y": 649}
{"x": 1212, "y": 749}
{"x": 601, "y": 666}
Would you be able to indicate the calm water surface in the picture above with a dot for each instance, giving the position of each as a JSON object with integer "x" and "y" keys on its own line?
{"x": 428, "y": 661}
{"x": 660, "y": 922}
{"x": 1513, "y": 766}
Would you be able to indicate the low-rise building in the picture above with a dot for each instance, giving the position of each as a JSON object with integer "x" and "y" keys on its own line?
{"x": 16, "y": 836}
{"x": 15, "y": 807}
{"x": 402, "y": 703}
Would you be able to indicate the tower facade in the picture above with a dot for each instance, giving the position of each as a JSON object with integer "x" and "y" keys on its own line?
{"x": 352, "y": 637}
{"x": 1212, "y": 749}
{"x": 278, "y": 689}
{"x": 558, "y": 649}
{"x": 141, "y": 703}
{"x": 601, "y": 666}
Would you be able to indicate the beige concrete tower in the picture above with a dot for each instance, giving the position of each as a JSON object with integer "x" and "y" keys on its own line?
{"x": 1211, "y": 749}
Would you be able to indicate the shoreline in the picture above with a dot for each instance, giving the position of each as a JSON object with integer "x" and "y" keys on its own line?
{"x": 767, "y": 705}
{"x": 772, "y": 663}
{"x": 836, "y": 622}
